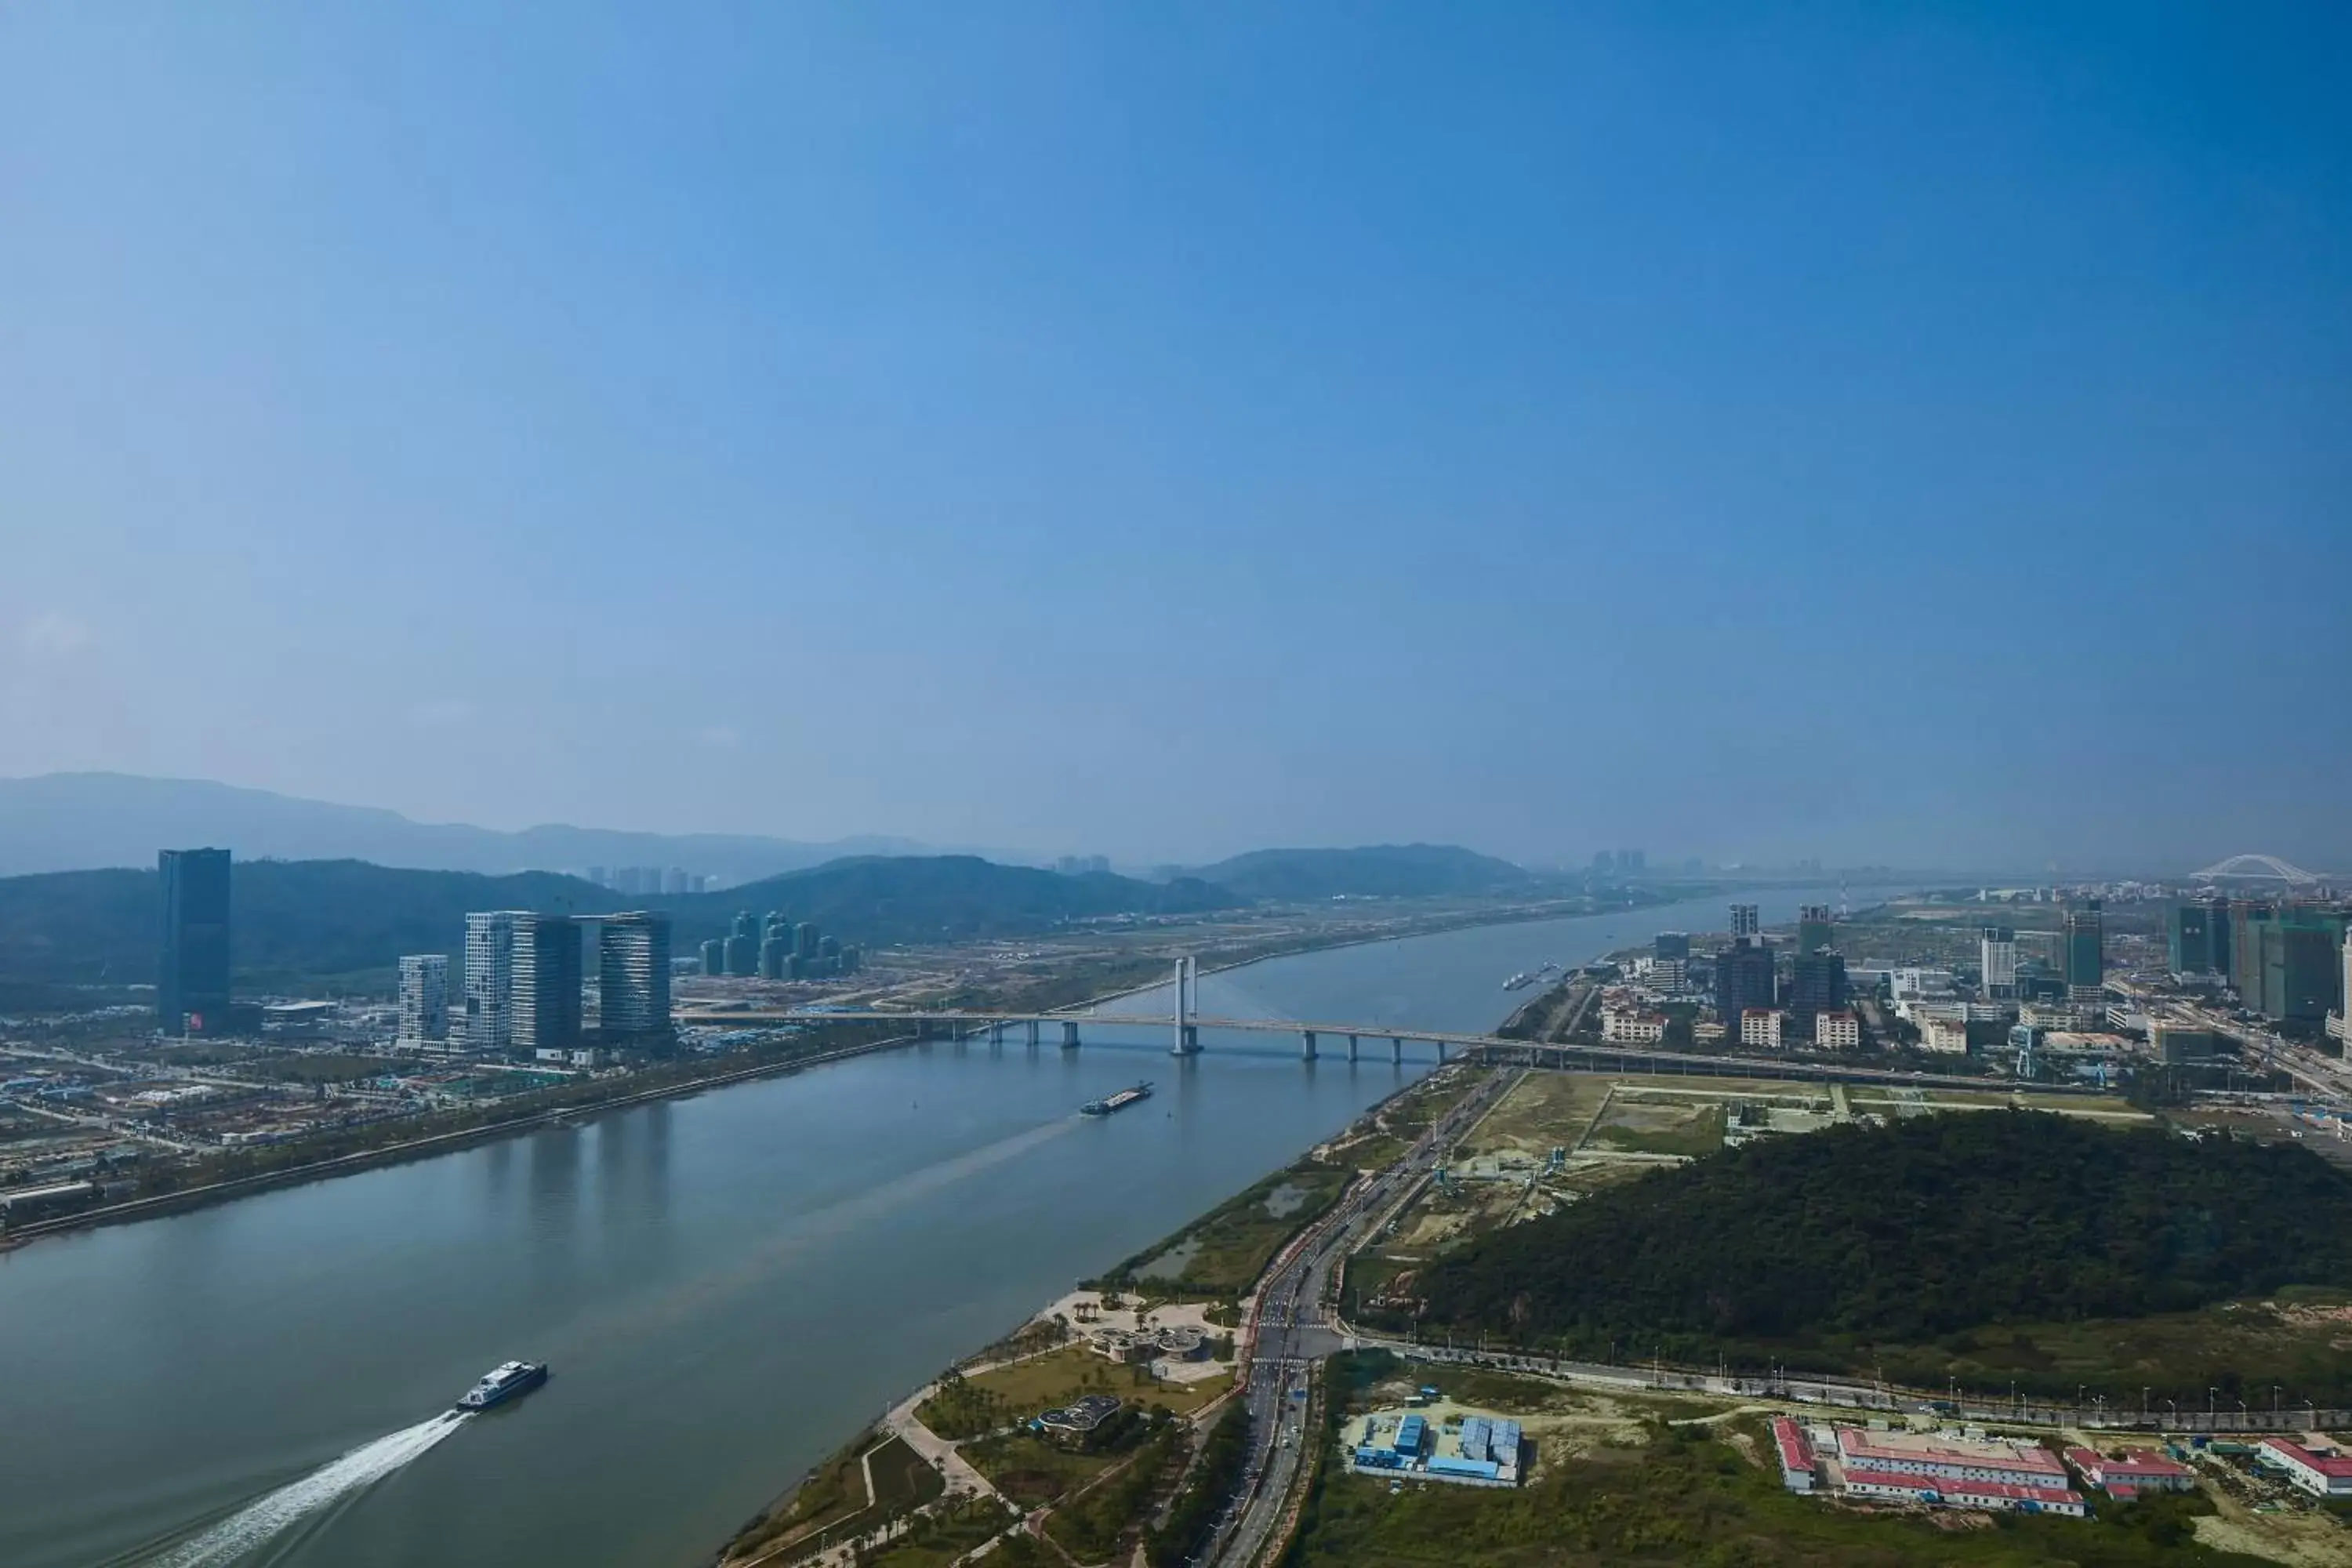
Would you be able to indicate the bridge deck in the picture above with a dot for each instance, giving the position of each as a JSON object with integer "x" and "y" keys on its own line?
{"x": 1621, "y": 1057}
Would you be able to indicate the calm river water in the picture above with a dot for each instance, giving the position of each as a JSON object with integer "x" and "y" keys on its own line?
{"x": 726, "y": 1286}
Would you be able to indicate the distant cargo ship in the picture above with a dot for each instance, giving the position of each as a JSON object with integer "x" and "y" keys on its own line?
{"x": 510, "y": 1381}
{"x": 1119, "y": 1102}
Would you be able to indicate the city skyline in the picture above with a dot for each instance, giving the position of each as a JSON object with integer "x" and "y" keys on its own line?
{"x": 1321, "y": 427}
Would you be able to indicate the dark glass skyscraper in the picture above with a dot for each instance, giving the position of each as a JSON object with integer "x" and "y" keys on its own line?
{"x": 1816, "y": 985}
{"x": 2199, "y": 938}
{"x": 1815, "y": 929}
{"x": 1744, "y": 978}
{"x": 633, "y": 975}
{"x": 2086, "y": 951}
{"x": 192, "y": 979}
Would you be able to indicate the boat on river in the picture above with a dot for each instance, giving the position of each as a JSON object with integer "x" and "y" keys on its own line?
{"x": 1119, "y": 1102}
{"x": 509, "y": 1379}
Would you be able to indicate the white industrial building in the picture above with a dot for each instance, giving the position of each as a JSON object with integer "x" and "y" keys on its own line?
{"x": 1837, "y": 1032}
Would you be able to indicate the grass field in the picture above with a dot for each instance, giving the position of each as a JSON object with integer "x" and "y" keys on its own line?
{"x": 2299, "y": 1342}
{"x": 941, "y": 1537}
{"x": 830, "y": 1505}
{"x": 1636, "y": 1124}
{"x": 1543, "y": 1111}
{"x": 1009, "y": 1394}
{"x": 1224, "y": 1251}
{"x": 1391, "y": 1131}
{"x": 1031, "y": 1469}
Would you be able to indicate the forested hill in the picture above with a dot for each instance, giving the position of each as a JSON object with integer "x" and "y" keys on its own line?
{"x": 1923, "y": 1226}
{"x": 1375, "y": 871}
{"x": 938, "y": 898}
{"x": 293, "y": 919}
{"x": 310, "y": 920}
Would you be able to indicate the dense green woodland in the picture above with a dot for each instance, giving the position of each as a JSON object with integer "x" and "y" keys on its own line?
{"x": 303, "y": 919}
{"x": 1902, "y": 1232}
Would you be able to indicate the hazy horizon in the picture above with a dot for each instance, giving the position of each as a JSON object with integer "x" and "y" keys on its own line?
{"x": 1907, "y": 436}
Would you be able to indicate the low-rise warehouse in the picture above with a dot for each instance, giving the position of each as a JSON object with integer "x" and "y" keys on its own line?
{"x": 1938, "y": 1491}
{"x": 1938, "y": 1470}
{"x": 1949, "y": 1458}
{"x": 1472, "y": 1450}
{"x": 2323, "y": 1472}
{"x": 1796, "y": 1465}
{"x": 2138, "y": 1470}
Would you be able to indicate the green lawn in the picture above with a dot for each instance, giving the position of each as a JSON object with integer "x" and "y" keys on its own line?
{"x": 2243, "y": 1348}
{"x": 831, "y": 1504}
{"x": 1095, "y": 1527}
{"x": 968, "y": 1407}
{"x": 1033, "y": 1470}
{"x": 1224, "y": 1251}
{"x": 941, "y": 1537}
{"x": 902, "y": 1477}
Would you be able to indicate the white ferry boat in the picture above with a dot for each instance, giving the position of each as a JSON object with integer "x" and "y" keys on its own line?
{"x": 509, "y": 1381}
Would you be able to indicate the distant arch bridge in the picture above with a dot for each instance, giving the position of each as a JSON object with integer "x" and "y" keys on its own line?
{"x": 2257, "y": 868}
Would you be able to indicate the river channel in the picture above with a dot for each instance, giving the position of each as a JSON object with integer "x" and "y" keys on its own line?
{"x": 726, "y": 1286}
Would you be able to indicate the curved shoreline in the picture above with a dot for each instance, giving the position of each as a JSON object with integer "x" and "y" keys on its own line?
{"x": 165, "y": 1204}
{"x": 187, "y": 1200}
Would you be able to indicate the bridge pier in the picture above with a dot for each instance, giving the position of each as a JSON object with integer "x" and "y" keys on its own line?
{"x": 1069, "y": 1034}
{"x": 1033, "y": 1034}
{"x": 1306, "y": 1045}
{"x": 1440, "y": 1053}
{"x": 1188, "y": 993}
{"x": 1351, "y": 1048}
{"x": 1396, "y": 1049}
{"x": 996, "y": 1034}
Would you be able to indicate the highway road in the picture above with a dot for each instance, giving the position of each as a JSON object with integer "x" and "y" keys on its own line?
{"x": 1292, "y": 1328}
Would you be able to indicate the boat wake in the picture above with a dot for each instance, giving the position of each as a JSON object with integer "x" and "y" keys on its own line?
{"x": 253, "y": 1525}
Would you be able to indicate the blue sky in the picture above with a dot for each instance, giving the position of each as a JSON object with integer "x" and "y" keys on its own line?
{"x": 1884, "y": 432}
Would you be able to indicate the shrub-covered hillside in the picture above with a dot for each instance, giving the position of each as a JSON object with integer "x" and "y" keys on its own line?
{"x": 1906, "y": 1231}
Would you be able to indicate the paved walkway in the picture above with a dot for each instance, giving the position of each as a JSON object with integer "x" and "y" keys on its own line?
{"x": 957, "y": 1469}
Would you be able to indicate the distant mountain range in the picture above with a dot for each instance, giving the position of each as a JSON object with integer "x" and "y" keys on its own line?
{"x": 1376, "y": 871}
{"x": 307, "y": 921}
{"x": 74, "y": 822}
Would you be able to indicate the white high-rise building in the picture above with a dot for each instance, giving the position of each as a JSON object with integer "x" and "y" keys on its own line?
{"x": 1744, "y": 922}
{"x": 489, "y": 980}
{"x": 424, "y": 999}
{"x": 1997, "y": 956}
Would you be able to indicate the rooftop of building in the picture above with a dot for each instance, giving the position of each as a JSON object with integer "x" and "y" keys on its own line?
{"x": 2332, "y": 1463}
{"x": 1856, "y": 1445}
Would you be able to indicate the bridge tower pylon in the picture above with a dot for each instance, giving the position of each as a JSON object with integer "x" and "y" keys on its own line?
{"x": 1187, "y": 1003}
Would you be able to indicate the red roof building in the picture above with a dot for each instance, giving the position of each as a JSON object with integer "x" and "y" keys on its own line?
{"x": 1797, "y": 1464}
{"x": 2323, "y": 1472}
{"x": 1949, "y": 1493}
{"x": 1909, "y": 1454}
{"x": 2140, "y": 1470}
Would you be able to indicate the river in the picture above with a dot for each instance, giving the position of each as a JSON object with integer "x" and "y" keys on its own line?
{"x": 726, "y": 1286}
